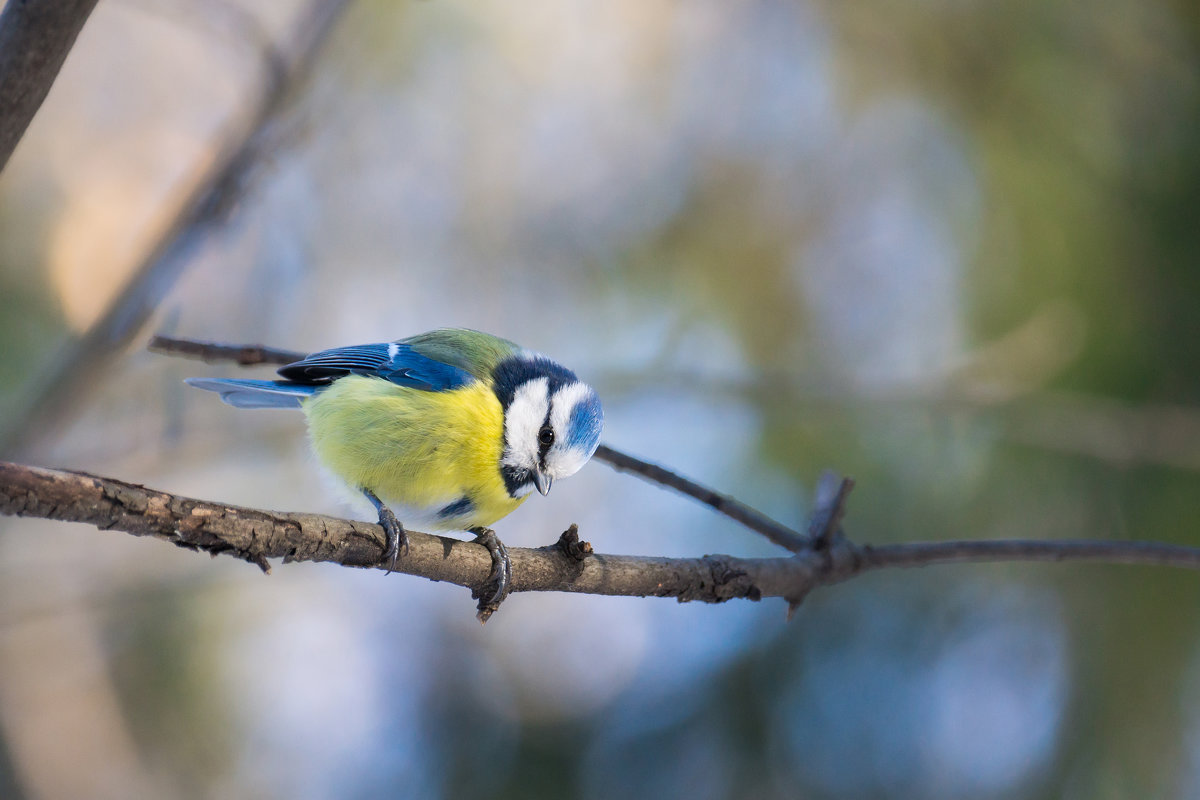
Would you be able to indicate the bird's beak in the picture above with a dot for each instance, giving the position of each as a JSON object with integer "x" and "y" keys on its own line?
{"x": 542, "y": 481}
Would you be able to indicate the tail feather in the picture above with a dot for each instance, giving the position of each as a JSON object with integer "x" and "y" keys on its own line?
{"x": 242, "y": 393}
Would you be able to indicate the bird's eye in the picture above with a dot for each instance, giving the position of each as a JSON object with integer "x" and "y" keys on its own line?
{"x": 546, "y": 436}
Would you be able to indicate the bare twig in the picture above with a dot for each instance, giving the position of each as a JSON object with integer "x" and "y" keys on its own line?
{"x": 256, "y": 536}
{"x": 1093, "y": 426}
{"x": 755, "y": 520}
{"x": 246, "y": 355}
{"x": 208, "y": 202}
{"x": 923, "y": 554}
{"x": 780, "y": 534}
{"x": 34, "y": 41}
{"x": 830, "y": 506}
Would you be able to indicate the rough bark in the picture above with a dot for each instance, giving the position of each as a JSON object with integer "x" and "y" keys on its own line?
{"x": 257, "y": 536}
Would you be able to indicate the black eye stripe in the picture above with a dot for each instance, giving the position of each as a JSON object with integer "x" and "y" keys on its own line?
{"x": 545, "y": 438}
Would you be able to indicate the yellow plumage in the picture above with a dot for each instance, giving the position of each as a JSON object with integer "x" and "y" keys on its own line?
{"x": 414, "y": 448}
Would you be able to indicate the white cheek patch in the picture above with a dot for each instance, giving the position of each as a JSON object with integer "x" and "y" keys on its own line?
{"x": 565, "y": 462}
{"x": 524, "y": 419}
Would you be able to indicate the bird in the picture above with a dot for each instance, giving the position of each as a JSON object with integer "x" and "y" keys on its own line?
{"x": 451, "y": 429}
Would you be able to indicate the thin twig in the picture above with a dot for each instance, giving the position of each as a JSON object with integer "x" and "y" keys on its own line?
{"x": 246, "y": 355}
{"x": 256, "y": 536}
{"x": 923, "y": 554}
{"x": 209, "y": 201}
{"x": 1092, "y": 426}
{"x": 830, "y": 508}
{"x": 755, "y": 520}
{"x": 780, "y": 534}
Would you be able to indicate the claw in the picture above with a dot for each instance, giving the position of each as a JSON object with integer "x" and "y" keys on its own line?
{"x": 501, "y": 572}
{"x": 397, "y": 537}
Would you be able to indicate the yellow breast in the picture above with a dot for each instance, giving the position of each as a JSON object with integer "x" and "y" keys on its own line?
{"x": 423, "y": 450}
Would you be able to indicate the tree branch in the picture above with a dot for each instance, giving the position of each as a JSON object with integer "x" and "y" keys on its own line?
{"x": 923, "y": 554}
{"x": 755, "y": 520}
{"x": 35, "y": 38}
{"x": 256, "y": 536}
{"x": 245, "y": 355}
{"x": 780, "y": 534}
{"x": 208, "y": 202}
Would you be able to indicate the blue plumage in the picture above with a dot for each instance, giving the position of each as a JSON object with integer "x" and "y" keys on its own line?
{"x": 462, "y": 507}
{"x": 513, "y": 373}
{"x": 587, "y": 419}
{"x": 242, "y": 393}
{"x": 396, "y": 362}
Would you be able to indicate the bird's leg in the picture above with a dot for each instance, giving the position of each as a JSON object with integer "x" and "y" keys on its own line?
{"x": 397, "y": 537}
{"x": 501, "y": 572}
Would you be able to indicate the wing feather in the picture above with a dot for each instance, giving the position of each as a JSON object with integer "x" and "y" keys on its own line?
{"x": 397, "y": 362}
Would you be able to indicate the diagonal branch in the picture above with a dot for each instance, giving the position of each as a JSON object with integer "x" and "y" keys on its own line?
{"x": 209, "y": 201}
{"x": 34, "y": 41}
{"x": 256, "y": 536}
{"x": 736, "y": 510}
{"x": 244, "y": 355}
{"x": 780, "y": 534}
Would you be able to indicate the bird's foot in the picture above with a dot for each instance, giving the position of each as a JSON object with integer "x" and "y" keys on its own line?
{"x": 501, "y": 573}
{"x": 396, "y": 538}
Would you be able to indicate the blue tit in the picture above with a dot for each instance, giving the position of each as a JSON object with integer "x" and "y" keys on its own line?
{"x": 453, "y": 429}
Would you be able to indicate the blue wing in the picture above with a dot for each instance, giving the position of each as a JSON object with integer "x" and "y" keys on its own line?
{"x": 393, "y": 361}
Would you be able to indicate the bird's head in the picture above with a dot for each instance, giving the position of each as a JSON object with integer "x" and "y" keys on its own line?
{"x": 552, "y": 422}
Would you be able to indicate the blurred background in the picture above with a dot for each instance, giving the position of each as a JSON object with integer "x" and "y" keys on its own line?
{"x": 946, "y": 248}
